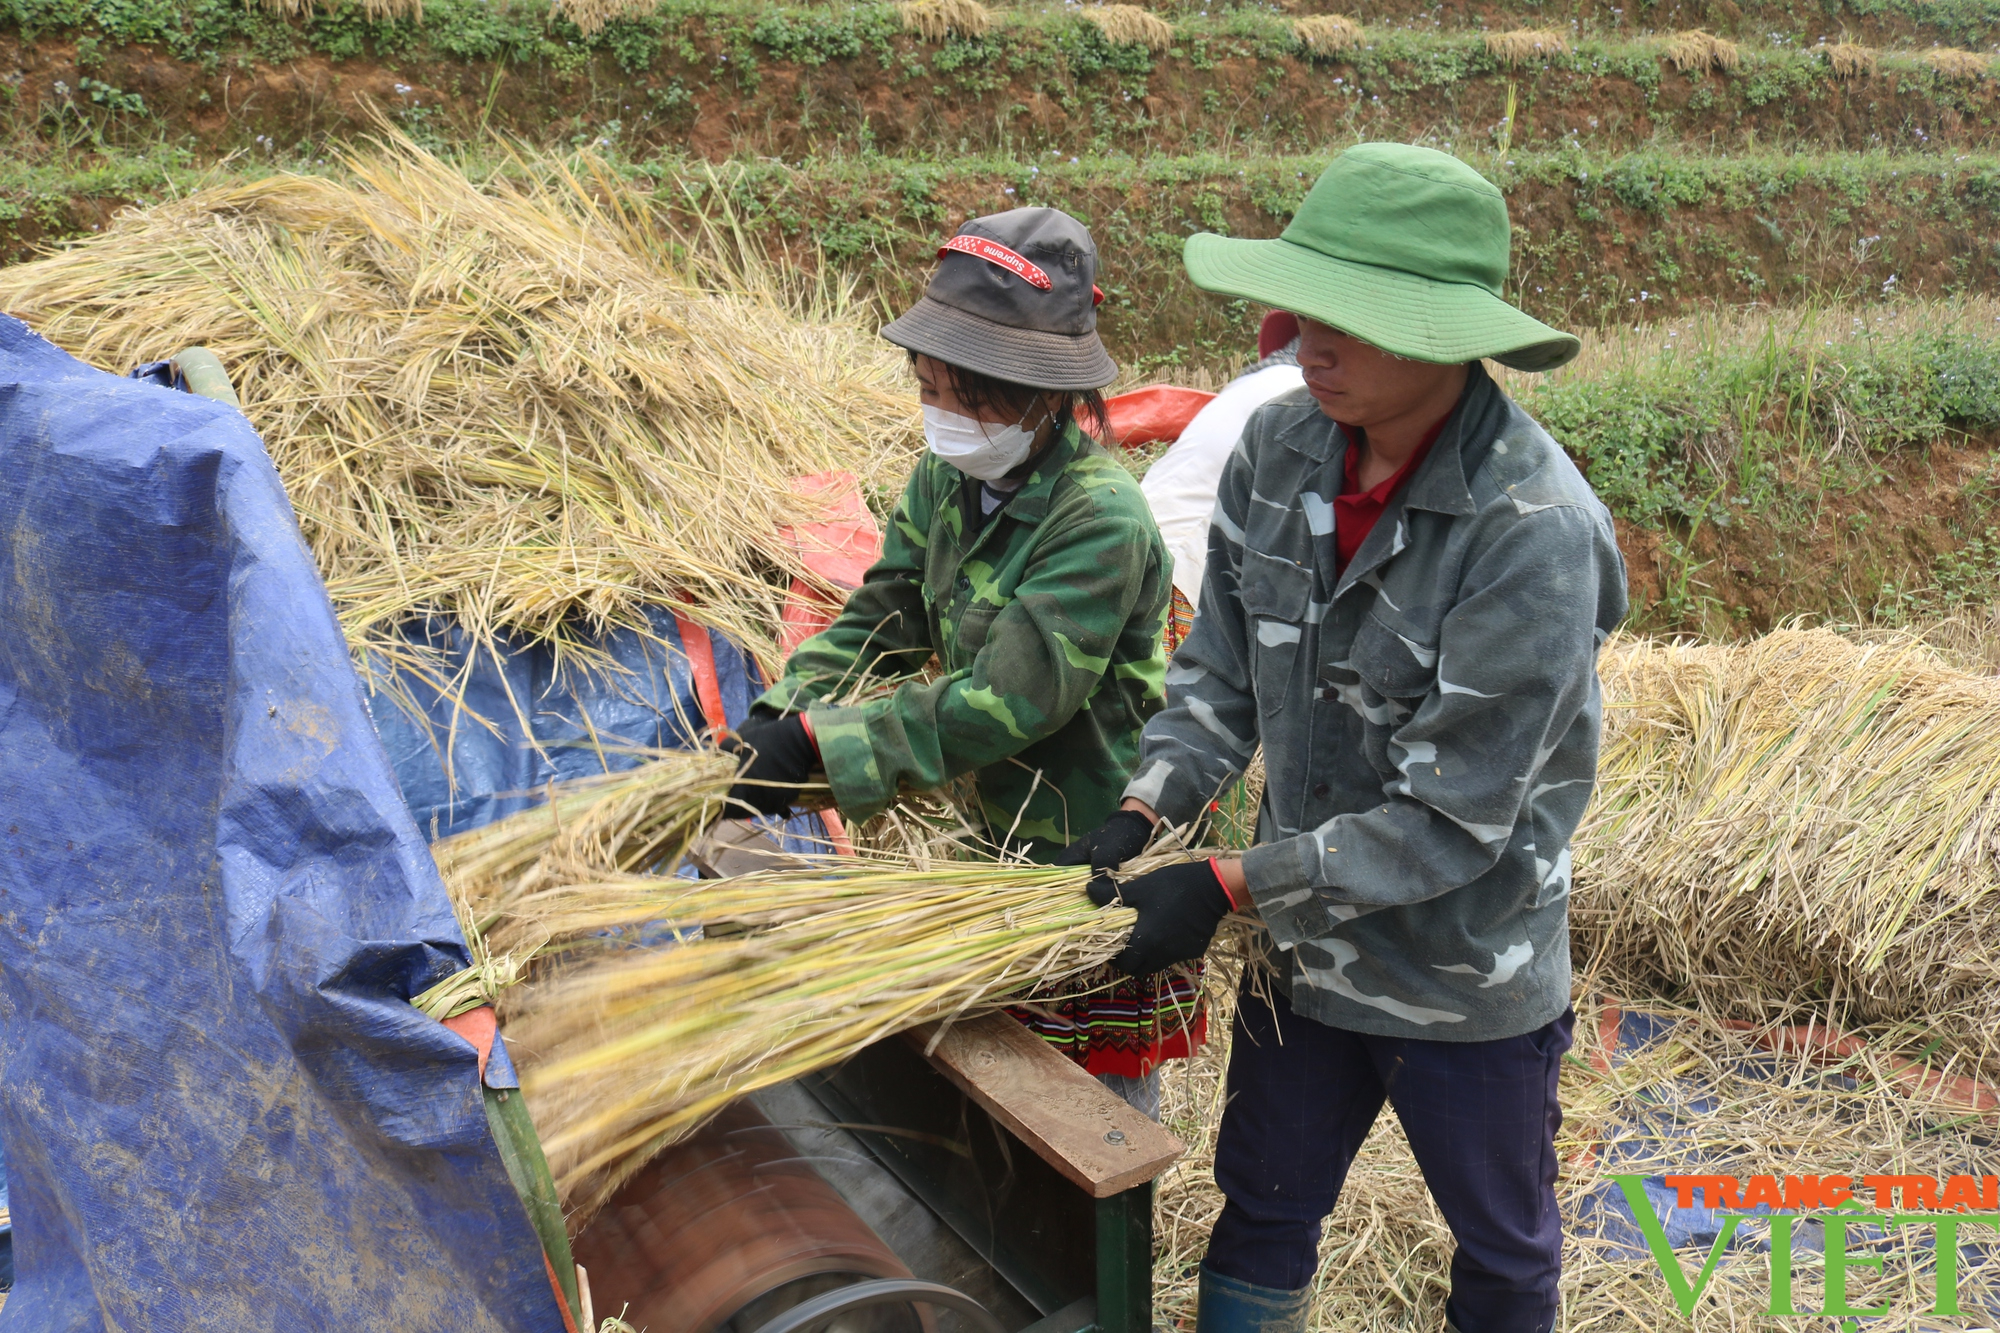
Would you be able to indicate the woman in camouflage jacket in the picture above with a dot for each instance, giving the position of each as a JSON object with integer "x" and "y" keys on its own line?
{"x": 1024, "y": 560}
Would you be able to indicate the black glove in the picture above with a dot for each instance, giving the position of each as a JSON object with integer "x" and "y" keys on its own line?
{"x": 775, "y": 755}
{"x": 1179, "y": 909}
{"x": 1108, "y": 846}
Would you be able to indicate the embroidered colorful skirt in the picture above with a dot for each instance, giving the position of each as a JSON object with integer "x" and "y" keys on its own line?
{"x": 1129, "y": 1028}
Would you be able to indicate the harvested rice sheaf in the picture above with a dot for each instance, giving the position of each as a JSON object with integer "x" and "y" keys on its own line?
{"x": 1848, "y": 60}
{"x": 521, "y": 402}
{"x": 935, "y": 20}
{"x": 1522, "y": 45}
{"x": 1326, "y": 34}
{"x": 1697, "y": 52}
{"x": 1963, "y": 66}
{"x": 1799, "y": 824}
{"x": 1131, "y": 25}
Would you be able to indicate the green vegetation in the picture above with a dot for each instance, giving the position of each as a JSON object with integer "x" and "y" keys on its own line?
{"x": 799, "y": 81}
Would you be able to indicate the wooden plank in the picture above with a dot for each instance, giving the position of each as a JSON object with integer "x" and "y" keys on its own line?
{"x": 737, "y": 847}
{"x": 1073, "y": 1122}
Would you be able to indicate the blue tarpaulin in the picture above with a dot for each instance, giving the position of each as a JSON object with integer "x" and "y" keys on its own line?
{"x": 219, "y": 1110}
{"x": 480, "y": 731}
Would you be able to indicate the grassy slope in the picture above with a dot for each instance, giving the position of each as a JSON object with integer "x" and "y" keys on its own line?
{"x": 721, "y": 80}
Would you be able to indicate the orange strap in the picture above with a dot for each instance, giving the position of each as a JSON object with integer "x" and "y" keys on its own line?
{"x": 707, "y": 686}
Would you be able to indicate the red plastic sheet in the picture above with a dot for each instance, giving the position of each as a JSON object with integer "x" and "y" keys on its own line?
{"x": 1156, "y": 412}
{"x": 838, "y": 548}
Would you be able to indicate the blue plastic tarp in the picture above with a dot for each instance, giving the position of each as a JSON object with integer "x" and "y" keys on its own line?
{"x": 220, "y": 1111}
{"x": 479, "y": 732}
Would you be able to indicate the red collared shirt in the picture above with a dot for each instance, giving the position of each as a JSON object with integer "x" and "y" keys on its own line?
{"x": 1355, "y": 510}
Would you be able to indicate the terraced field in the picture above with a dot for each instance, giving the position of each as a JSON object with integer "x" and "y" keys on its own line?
{"x": 1787, "y": 159}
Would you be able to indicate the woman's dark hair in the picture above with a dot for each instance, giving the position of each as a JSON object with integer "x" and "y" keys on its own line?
{"x": 978, "y": 392}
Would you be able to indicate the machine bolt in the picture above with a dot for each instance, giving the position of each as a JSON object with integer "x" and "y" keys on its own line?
{"x": 1114, "y": 1136}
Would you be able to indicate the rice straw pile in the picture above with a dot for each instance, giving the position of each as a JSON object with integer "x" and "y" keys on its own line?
{"x": 1728, "y": 1107}
{"x": 522, "y": 402}
{"x": 1800, "y": 822}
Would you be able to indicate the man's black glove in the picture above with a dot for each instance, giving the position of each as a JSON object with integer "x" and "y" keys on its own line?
{"x": 1179, "y": 909}
{"x": 774, "y": 756}
{"x": 1108, "y": 846}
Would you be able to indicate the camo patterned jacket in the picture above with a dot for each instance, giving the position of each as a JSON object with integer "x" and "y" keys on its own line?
{"x": 1046, "y": 626}
{"x": 1429, "y": 719}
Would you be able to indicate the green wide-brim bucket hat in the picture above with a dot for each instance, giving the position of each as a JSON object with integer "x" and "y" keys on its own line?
{"x": 1402, "y": 247}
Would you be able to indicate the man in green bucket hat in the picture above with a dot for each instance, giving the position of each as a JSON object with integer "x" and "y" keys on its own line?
{"x": 1406, "y": 588}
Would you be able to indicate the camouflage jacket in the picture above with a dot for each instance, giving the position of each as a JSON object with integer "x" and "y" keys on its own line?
{"x": 1429, "y": 718}
{"x": 1046, "y": 627}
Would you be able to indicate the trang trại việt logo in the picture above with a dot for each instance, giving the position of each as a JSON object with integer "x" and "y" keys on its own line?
{"x": 1899, "y": 1201}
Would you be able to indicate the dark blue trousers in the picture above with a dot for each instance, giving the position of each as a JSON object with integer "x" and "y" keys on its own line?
{"x": 1481, "y": 1117}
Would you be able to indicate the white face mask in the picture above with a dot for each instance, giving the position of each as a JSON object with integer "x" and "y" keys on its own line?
{"x": 979, "y": 449}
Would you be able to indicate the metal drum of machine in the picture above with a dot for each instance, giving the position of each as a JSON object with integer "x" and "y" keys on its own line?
{"x": 732, "y": 1230}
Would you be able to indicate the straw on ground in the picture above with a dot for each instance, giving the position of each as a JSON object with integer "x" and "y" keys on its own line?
{"x": 1798, "y": 823}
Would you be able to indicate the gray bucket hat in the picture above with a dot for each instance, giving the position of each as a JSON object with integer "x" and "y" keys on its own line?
{"x": 1014, "y": 296}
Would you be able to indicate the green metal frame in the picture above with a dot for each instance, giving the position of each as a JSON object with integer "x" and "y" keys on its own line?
{"x": 1125, "y": 1261}
{"x": 521, "y": 1151}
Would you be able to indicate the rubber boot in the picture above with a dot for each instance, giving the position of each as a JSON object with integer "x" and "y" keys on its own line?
{"x": 1227, "y": 1305}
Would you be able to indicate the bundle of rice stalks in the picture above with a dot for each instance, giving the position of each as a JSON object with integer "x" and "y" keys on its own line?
{"x": 1695, "y": 51}
{"x": 1326, "y": 34}
{"x": 1850, "y": 61}
{"x": 935, "y": 20}
{"x": 1799, "y": 823}
{"x": 1949, "y": 62}
{"x": 1522, "y": 45}
{"x": 625, "y": 1050}
{"x": 521, "y": 402}
{"x": 1129, "y": 24}
{"x": 639, "y": 1004}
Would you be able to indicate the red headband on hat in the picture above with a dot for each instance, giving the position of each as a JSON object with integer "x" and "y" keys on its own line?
{"x": 995, "y": 253}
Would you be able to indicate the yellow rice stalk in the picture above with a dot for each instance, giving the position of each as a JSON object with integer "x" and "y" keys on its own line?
{"x": 1522, "y": 45}
{"x": 1129, "y": 24}
{"x": 1963, "y": 66}
{"x": 1850, "y": 61}
{"x": 1695, "y": 51}
{"x": 935, "y": 20}
{"x": 1800, "y": 821}
{"x": 521, "y": 402}
{"x": 1325, "y": 34}
{"x": 623, "y": 1051}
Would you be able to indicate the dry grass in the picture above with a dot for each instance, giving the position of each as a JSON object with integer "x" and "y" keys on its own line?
{"x": 521, "y": 402}
{"x": 1129, "y": 24}
{"x": 1848, "y": 60}
{"x": 1950, "y": 62}
{"x": 935, "y": 20}
{"x": 1325, "y": 34}
{"x": 1695, "y": 51}
{"x": 1385, "y": 1256}
{"x": 1523, "y": 45}
{"x": 1795, "y": 824}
